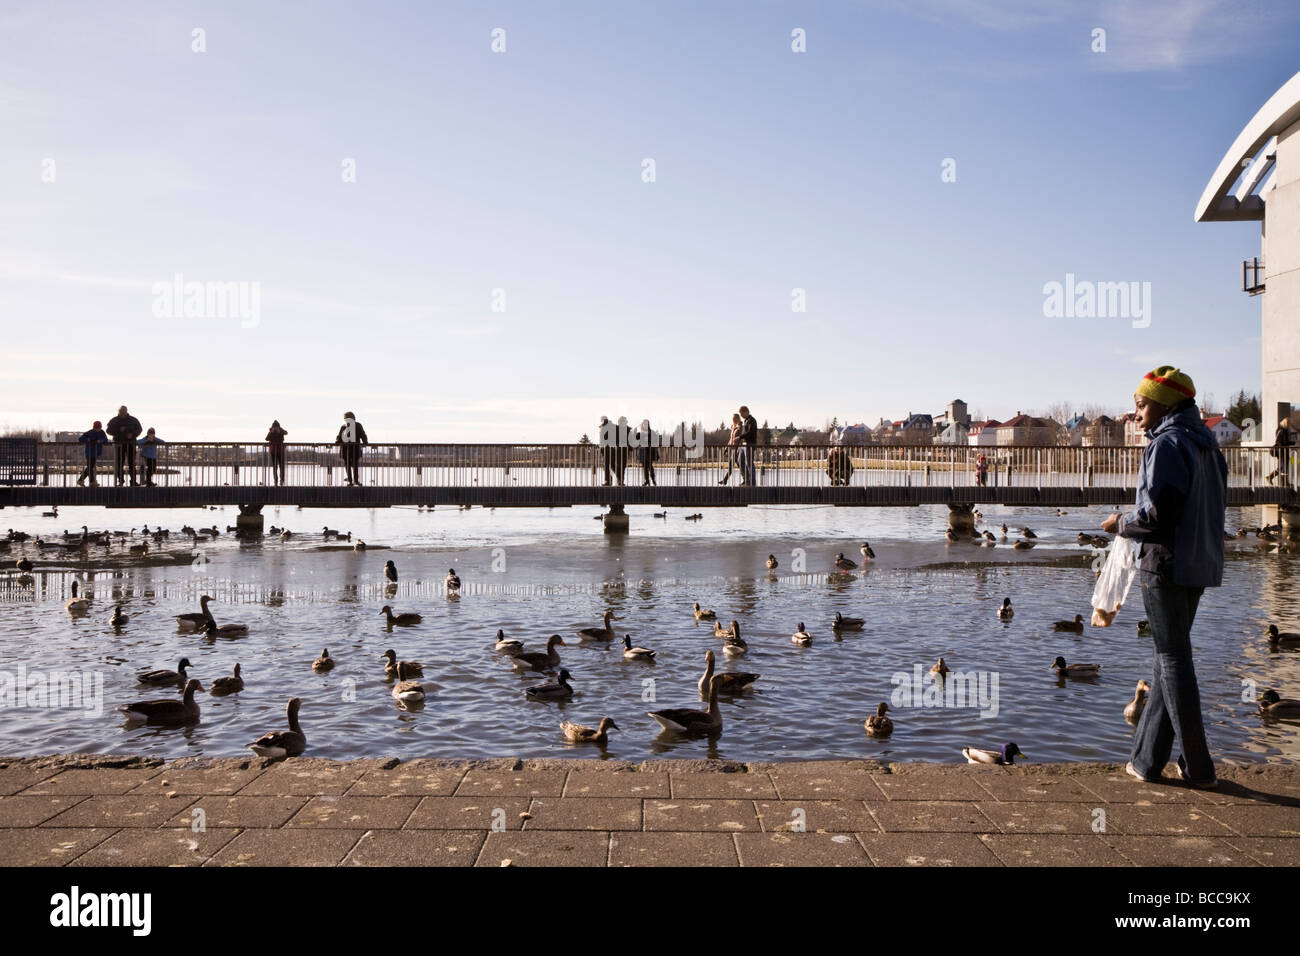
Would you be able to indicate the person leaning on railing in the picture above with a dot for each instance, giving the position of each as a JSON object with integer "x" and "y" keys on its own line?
{"x": 149, "y": 456}
{"x": 94, "y": 440}
{"x": 125, "y": 429}
{"x": 275, "y": 438}
{"x": 350, "y": 439}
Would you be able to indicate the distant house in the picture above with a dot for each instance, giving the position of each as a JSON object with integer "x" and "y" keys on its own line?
{"x": 1026, "y": 430}
{"x": 1225, "y": 432}
{"x": 1133, "y": 432}
{"x": 1076, "y": 427}
{"x": 917, "y": 428}
{"x": 982, "y": 433}
{"x": 956, "y": 433}
{"x": 858, "y": 434}
{"x": 1103, "y": 430}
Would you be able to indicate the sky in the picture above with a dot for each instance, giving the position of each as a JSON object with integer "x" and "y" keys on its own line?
{"x": 460, "y": 243}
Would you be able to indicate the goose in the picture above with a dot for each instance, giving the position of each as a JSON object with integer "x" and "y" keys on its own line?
{"x": 844, "y": 564}
{"x": 1276, "y": 638}
{"x": 452, "y": 581}
{"x": 160, "y": 676}
{"x": 408, "y": 692}
{"x": 1006, "y": 612}
{"x": 735, "y": 645}
{"x": 141, "y": 548}
{"x": 390, "y": 571}
{"x": 657, "y": 514}
{"x": 401, "y": 670}
{"x": 1144, "y": 628}
{"x": 843, "y": 623}
{"x": 720, "y": 631}
{"x": 1133, "y": 709}
{"x": 586, "y": 735}
{"x": 1028, "y": 533}
{"x": 867, "y": 553}
{"x": 636, "y": 653}
{"x": 1022, "y": 545}
{"x": 879, "y": 725}
{"x": 400, "y": 620}
{"x": 951, "y": 536}
{"x": 1075, "y": 670}
{"x": 279, "y": 744}
{"x": 213, "y": 629}
{"x": 118, "y": 619}
{"x": 1273, "y": 705}
{"x": 52, "y": 513}
{"x": 170, "y": 711}
{"x": 686, "y": 721}
{"x": 328, "y": 533}
{"x": 76, "y": 606}
{"x": 605, "y": 633}
{"x": 939, "y": 669}
{"x": 558, "y": 690}
{"x": 536, "y": 660}
{"x": 801, "y": 637}
{"x": 508, "y": 645}
{"x": 227, "y": 685}
{"x": 734, "y": 682}
{"x": 771, "y": 562}
{"x": 1007, "y": 755}
{"x": 1074, "y": 627}
{"x": 323, "y": 663}
{"x": 704, "y": 615}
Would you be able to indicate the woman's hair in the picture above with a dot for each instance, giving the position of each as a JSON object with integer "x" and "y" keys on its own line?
{"x": 735, "y": 417}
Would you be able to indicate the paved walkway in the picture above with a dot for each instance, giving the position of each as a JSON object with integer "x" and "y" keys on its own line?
{"x": 124, "y": 811}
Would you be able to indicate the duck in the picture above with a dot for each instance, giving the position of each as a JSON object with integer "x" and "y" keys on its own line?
{"x": 1022, "y": 545}
{"x": 118, "y": 619}
{"x": 733, "y": 682}
{"x": 1133, "y": 709}
{"x": 1084, "y": 538}
{"x": 951, "y": 536}
{"x": 23, "y": 565}
{"x": 328, "y": 533}
{"x": 1007, "y": 755}
{"x": 359, "y": 546}
{"x": 323, "y": 663}
{"x": 771, "y": 562}
{"x": 227, "y": 685}
{"x": 1277, "y": 638}
{"x": 536, "y": 660}
{"x": 194, "y": 620}
{"x": 704, "y": 615}
{"x": 390, "y": 571}
{"x": 162, "y": 676}
{"x": 213, "y": 629}
{"x": 844, "y": 564}
{"x": 636, "y": 653}
{"x": 1100, "y": 541}
{"x": 286, "y": 534}
{"x": 1144, "y": 628}
{"x": 141, "y": 548}
{"x": 1006, "y": 612}
{"x": 1074, "y": 627}
{"x": 879, "y": 725}
{"x": 401, "y": 670}
{"x": 587, "y": 735}
{"x": 720, "y": 631}
{"x": 400, "y": 620}
{"x": 1274, "y": 705}
{"x": 1075, "y": 670}
{"x": 76, "y": 606}
{"x": 1004, "y": 530}
{"x": 605, "y": 633}
{"x": 169, "y": 711}
{"x": 867, "y": 553}
{"x": 1028, "y": 533}
{"x": 408, "y": 692}
{"x": 507, "y": 645}
{"x": 687, "y": 721}
{"x": 560, "y": 689}
{"x": 279, "y": 744}
{"x": 657, "y": 514}
{"x": 801, "y": 636}
{"x": 452, "y": 580}
{"x": 843, "y": 623}
{"x": 939, "y": 668}
{"x": 989, "y": 540}
{"x": 735, "y": 645}
{"x": 52, "y": 513}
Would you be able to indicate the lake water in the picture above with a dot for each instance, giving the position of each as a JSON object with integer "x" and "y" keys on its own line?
{"x": 534, "y": 573}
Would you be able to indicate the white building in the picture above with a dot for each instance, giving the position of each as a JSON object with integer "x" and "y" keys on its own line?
{"x": 1225, "y": 433}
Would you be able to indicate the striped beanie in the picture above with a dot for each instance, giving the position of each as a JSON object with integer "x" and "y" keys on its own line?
{"x": 1166, "y": 385}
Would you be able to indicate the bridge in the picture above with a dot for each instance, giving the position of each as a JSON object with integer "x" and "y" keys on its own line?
{"x": 196, "y": 474}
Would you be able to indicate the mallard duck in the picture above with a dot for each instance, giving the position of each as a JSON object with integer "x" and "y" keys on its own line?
{"x": 951, "y": 536}
{"x": 867, "y": 553}
{"x": 408, "y": 691}
{"x": 1100, "y": 541}
{"x": 558, "y": 690}
{"x": 23, "y": 565}
{"x": 586, "y": 735}
{"x": 536, "y": 660}
{"x": 685, "y": 721}
{"x": 1075, "y": 670}
{"x": 1028, "y": 533}
{"x": 400, "y": 620}
{"x": 1007, "y": 755}
{"x": 1004, "y": 531}
{"x": 390, "y": 571}
{"x": 636, "y": 653}
{"x": 1133, "y": 709}
{"x": 400, "y": 670}
{"x": 1084, "y": 538}
{"x": 879, "y": 725}
{"x": 703, "y": 615}
{"x": 844, "y": 564}
{"x": 359, "y": 546}
{"x": 735, "y": 645}
{"x": 118, "y": 619}
{"x": 843, "y": 623}
{"x": 76, "y": 606}
{"x": 1278, "y": 638}
{"x": 939, "y": 668}
{"x": 1273, "y": 705}
{"x": 720, "y": 631}
{"x": 989, "y": 540}
{"x": 213, "y": 629}
{"x": 283, "y": 743}
{"x": 1006, "y": 612}
{"x": 1144, "y": 628}
{"x": 452, "y": 580}
{"x": 734, "y": 682}
{"x": 170, "y": 711}
{"x": 330, "y": 533}
{"x": 323, "y": 663}
{"x": 162, "y": 676}
{"x": 661, "y": 514}
{"x": 507, "y": 645}
{"x": 286, "y": 534}
{"x": 227, "y": 685}
{"x": 194, "y": 620}
{"x": 1021, "y": 545}
{"x": 771, "y": 562}
{"x": 1074, "y": 627}
{"x": 801, "y": 636}
{"x": 605, "y": 633}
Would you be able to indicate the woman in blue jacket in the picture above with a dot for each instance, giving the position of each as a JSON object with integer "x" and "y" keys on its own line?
{"x": 94, "y": 440}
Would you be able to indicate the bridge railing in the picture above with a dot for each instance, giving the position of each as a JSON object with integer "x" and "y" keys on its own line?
{"x": 215, "y": 464}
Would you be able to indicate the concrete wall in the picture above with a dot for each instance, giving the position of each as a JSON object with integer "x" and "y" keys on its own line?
{"x": 1281, "y": 298}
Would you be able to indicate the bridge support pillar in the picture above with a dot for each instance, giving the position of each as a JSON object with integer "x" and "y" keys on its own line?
{"x": 616, "y": 520}
{"x": 250, "y": 520}
{"x": 961, "y": 520}
{"x": 1289, "y": 518}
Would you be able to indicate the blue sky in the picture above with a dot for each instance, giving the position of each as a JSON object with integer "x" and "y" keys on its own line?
{"x": 522, "y": 171}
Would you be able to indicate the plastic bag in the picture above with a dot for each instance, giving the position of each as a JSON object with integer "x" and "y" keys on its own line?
{"x": 1116, "y": 578}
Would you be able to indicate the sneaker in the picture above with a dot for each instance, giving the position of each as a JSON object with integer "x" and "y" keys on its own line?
{"x": 1210, "y": 784}
{"x": 81, "y": 482}
{"x": 1132, "y": 771}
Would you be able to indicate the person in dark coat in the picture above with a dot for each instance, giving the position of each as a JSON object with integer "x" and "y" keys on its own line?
{"x": 350, "y": 439}
{"x": 94, "y": 440}
{"x": 1282, "y": 444}
{"x": 124, "y": 429}
{"x": 648, "y": 454}
{"x": 275, "y": 438}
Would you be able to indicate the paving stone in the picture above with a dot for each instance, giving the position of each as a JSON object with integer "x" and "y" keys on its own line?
{"x": 250, "y": 812}
{"x": 171, "y": 847}
{"x": 737, "y": 786}
{"x": 200, "y": 782}
{"x": 843, "y": 785}
{"x": 1139, "y": 820}
{"x": 1265, "y": 820}
{"x": 1274, "y": 779}
{"x": 800, "y": 849}
{"x": 30, "y": 811}
{"x": 424, "y": 778}
{"x": 467, "y": 813}
{"x": 53, "y": 847}
{"x": 545, "y": 848}
{"x": 1121, "y": 788}
{"x": 1269, "y": 851}
{"x": 1024, "y": 788}
{"x": 308, "y": 776}
{"x": 934, "y": 849}
{"x": 597, "y": 783}
{"x": 17, "y": 776}
{"x": 1038, "y": 817}
{"x": 286, "y": 848}
{"x": 726, "y": 816}
{"x": 416, "y": 848}
{"x": 584, "y": 813}
{"x": 917, "y": 786}
{"x": 368, "y": 813}
{"x": 832, "y": 816}
{"x": 143, "y": 810}
{"x": 521, "y": 783}
{"x": 103, "y": 781}
{"x": 1050, "y": 849}
{"x": 1178, "y": 851}
{"x": 672, "y": 849}
{"x": 907, "y": 816}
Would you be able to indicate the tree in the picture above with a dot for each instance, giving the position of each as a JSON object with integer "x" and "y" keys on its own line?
{"x": 584, "y": 440}
{"x": 1243, "y": 406}
{"x": 1207, "y": 405}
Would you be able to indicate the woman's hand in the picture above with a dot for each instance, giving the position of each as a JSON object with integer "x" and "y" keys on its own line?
{"x": 1111, "y": 524}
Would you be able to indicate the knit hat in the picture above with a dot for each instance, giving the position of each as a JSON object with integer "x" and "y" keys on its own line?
{"x": 98, "y": 425}
{"x": 1166, "y": 385}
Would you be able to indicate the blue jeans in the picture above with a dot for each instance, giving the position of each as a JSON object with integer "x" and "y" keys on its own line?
{"x": 1174, "y": 704}
{"x": 746, "y": 457}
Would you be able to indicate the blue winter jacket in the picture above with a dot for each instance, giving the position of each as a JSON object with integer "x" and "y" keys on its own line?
{"x": 94, "y": 441}
{"x": 1178, "y": 520}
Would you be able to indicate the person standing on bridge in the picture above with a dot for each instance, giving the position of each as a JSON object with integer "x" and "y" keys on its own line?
{"x": 350, "y": 439}
{"x": 649, "y": 452}
{"x": 149, "y": 457}
{"x": 1178, "y": 526}
{"x": 275, "y": 438}
{"x": 94, "y": 440}
{"x": 747, "y": 445}
{"x": 124, "y": 429}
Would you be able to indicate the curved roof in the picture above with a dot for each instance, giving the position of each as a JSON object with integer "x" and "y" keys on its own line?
{"x": 1280, "y": 113}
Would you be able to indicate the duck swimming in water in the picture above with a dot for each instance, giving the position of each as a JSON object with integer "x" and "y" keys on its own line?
{"x": 1074, "y": 627}
{"x": 1133, "y": 709}
{"x": 1007, "y": 755}
{"x": 323, "y": 663}
{"x": 843, "y": 623}
{"x": 400, "y": 620}
{"x": 227, "y": 685}
{"x": 771, "y": 562}
{"x": 1278, "y": 638}
{"x": 170, "y": 711}
{"x": 605, "y": 633}
{"x": 558, "y": 690}
{"x": 636, "y": 653}
{"x": 1005, "y": 612}
{"x": 178, "y": 676}
{"x": 507, "y": 645}
{"x": 733, "y": 682}
{"x": 879, "y": 725}
{"x": 801, "y": 636}
{"x": 1075, "y": 670}
{"x": 844, "y": 564}
{"x": 704, "y": 615}
{"x": 1271, "y": 704}
{"x": 687, "y": 721}
{"x": 283, "y": 743}
{"x": 400, "y": 670}
{"x": 586, "y": 735}
{"x": 537, "y": 661}
{"x": 452, "y": 581}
